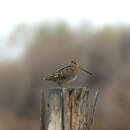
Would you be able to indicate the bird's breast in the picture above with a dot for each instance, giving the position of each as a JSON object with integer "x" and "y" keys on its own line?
{"x": 71, "y": 78}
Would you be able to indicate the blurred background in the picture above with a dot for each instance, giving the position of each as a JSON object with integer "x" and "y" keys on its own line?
{"x": 39, "y": 36}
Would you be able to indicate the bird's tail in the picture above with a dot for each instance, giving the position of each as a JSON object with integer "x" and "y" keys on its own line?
{"x": 49, "y": 77}
{"x": 46, "y": 78}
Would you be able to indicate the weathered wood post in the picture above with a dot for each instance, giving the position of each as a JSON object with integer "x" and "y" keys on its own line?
{"x": 68, "y": 108}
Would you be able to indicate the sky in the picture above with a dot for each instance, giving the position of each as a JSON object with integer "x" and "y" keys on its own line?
{"x": 98, "y": 12}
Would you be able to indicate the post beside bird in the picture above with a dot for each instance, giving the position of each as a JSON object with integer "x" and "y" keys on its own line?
{"x": 73, "y": 110}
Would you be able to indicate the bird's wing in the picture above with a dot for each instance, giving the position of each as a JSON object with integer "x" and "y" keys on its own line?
{"x": 52, "y": 77}
{"x": 66, "y": 71}
{"x": 62, "y": 69}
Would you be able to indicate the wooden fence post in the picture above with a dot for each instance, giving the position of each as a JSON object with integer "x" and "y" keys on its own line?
{"x": 68, "y": 108}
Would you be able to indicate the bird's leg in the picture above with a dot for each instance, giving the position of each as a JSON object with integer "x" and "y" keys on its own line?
{"x": 60, "y": 84}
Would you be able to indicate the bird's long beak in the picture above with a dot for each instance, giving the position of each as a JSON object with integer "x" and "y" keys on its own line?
{"x": 86, "y": 71}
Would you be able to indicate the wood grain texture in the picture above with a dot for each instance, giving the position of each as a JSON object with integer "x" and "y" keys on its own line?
{"x": 70, "y": 108}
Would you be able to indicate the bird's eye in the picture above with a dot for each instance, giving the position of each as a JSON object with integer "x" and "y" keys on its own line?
{"x": 73, "y": 61}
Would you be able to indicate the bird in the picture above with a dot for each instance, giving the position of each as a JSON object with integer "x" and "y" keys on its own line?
{"x": 66, "y": 74}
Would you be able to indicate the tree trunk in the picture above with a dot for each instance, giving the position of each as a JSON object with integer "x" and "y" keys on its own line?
{"x": 68, "y": 108}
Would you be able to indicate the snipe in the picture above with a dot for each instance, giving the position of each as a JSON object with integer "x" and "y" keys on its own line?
{"x": 66, "y": 74}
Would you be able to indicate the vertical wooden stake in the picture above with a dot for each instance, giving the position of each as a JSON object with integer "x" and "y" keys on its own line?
{"x": 42, "y": 111}
{"x": 68, "y": 108}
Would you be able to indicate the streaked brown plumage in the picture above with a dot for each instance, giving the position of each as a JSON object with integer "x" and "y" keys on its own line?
{"x": 66, "y": 74}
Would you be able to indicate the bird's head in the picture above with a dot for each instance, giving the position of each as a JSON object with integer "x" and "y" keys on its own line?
{"x": 74, "y": 64}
